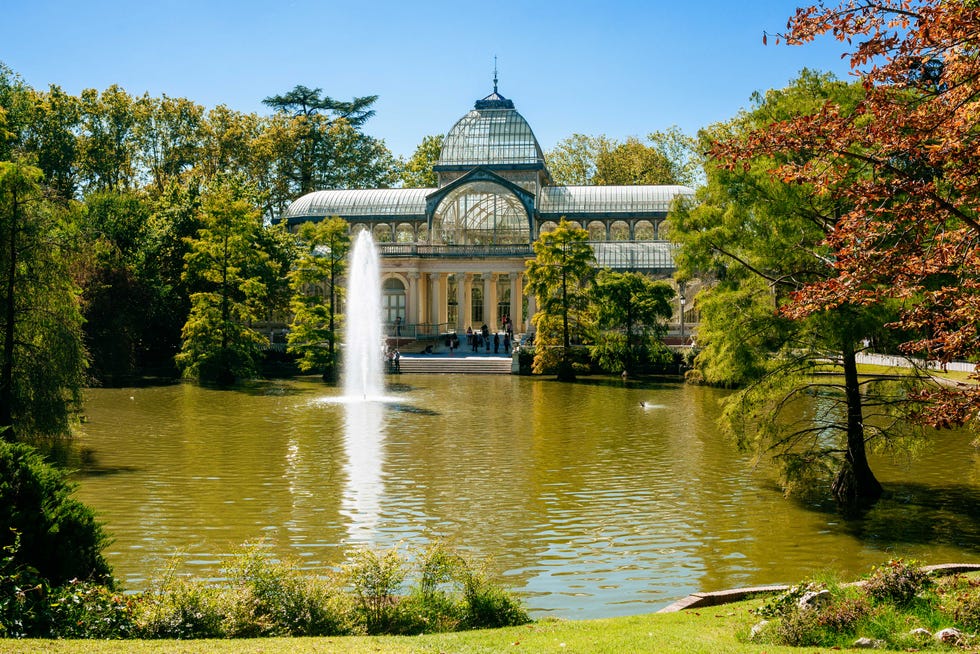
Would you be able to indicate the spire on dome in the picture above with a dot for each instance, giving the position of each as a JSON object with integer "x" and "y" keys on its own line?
{"x": 494, "y": 100}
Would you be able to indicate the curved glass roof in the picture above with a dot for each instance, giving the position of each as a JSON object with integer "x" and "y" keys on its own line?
{"x": 402, "y": 203}
{"x": 493, "y": 133}
{"x": 481, "y": 213}
{"x": 554, "y": 201}
{"x": 633, "y": 255}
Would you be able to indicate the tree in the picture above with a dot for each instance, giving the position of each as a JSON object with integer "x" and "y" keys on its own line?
{"x": 630, "y": 311}
{"x": 559, "y": 276}
{"x": 632, "y": 162}
{"x": 229, "y": 273}
{"x": 766, "y": 241}
{"x": 52, "y": 138}
{"x": 573, "y": 161}
{"x": 169, "y": 139}
{"x": 42, "y": 359}
{"x": 116, "y": 299}
{"x": 668, "y": 157}
{"x": 314, "y": 281}
{"x": 908, "y": 231}
{"x": 417, "y": 171}
{"x": 314, "y": 117}
{"x": 107, "y": 145}
{"x": 16, "y": 109}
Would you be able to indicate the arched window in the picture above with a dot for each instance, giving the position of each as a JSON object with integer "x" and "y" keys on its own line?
{"x": 597, "y": 231}
{"x": 620, "y": 231}
{"x": 644, "y": 231}
{"x": 548, "y": 226}
{"x": 393, "y": 300}
{"x": 382, "y": 233}
{"x": 405, "y": 233}
{"x": 480, "y": 213}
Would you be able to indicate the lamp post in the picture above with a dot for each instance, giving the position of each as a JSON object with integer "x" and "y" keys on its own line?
{"x": 683, "y": 302}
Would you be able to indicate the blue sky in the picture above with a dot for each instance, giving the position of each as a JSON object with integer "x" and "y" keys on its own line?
{"x": 618, "y": 67}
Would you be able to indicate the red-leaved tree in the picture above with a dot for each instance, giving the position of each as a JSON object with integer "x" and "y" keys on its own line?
{"x": 904, "y": 165}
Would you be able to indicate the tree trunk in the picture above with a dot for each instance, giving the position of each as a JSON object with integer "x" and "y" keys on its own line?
{"x": 566, "y": 372}
{"x": 855, "y": 484}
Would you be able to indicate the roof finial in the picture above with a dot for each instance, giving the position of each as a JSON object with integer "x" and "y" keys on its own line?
{"x": 495, "y": 73}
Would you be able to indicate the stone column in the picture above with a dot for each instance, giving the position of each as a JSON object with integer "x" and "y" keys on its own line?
{"x": 434, "y": 298}
{"x": 444, "y": 299}
{"x": 517, "y": 301}
{"x": 490, "y": 300}
{"x": 412, "y": 299}
{"x": 464, "y": 289}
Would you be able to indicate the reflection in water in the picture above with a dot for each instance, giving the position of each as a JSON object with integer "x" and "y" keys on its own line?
{"x": 590, "y": 503}
{"x": 364, "y": 446}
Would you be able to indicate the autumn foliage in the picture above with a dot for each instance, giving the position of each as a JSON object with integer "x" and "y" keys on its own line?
{"x": 903, "y": 169}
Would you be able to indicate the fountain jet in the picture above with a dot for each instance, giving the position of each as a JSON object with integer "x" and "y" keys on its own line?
{"x": 363, "y": 357}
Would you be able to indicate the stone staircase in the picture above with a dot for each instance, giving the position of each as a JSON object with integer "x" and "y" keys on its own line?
{"x": 457, "y": 364}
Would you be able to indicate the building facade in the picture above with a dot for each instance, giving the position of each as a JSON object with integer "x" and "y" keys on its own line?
{"x": 454, "y": 256}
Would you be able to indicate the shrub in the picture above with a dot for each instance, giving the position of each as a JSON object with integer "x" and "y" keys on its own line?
{"x": 277, "y": 599}
{"x": 449, "y": 593}
{"x": 488, "y": 606}
{"x": 376, "y": 580}
{"x": 59, "y": 537}
{"x": 90, "y": 610}
{"x": 181, "y": 609}
{"x": 30, "y": 608}
{"x": 897, "y": 581}
{"x": 843, "y": 615}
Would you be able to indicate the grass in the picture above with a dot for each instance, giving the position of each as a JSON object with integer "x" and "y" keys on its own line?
{"x": 714, "y": 630}
{"x": 952, "y": 375}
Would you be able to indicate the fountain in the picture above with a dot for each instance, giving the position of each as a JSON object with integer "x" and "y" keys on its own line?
{"x": 363, "y": 392}
{"x": 363, "y": 375}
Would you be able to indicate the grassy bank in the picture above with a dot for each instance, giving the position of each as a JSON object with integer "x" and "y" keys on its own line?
{"x": 714, "y": 630}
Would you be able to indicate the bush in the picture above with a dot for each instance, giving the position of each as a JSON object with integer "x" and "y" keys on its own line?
{"x": 277, "y": 599}
{"x": 449, "y": 594}
{"x": 488, "y": 606}
{"x": 376, "y": 580}
{"x": 897, "y": 581}
{"x": 89, "y": 610}
{"x": 180, "y": 609}
{"x": 31, "y": 608}
{"x": 59, "y": 537}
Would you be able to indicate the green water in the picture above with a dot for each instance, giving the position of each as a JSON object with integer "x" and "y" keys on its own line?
{"x": 592, "y": 499}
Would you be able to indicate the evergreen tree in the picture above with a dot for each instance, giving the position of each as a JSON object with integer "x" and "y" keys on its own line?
{"x": 42, "y": 358}
{"x": 314, "y": 281}
{"x": 559, "y": 277}
{"x": 232, "y": 278}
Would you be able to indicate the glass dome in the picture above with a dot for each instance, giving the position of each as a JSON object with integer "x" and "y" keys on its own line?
{"x": 493, "y": 133}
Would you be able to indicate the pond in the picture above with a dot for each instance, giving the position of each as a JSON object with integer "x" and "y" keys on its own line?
{"x": 593, "y": 499}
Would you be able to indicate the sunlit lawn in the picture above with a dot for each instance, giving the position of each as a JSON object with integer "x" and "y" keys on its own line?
{"x": 714, "y": 630}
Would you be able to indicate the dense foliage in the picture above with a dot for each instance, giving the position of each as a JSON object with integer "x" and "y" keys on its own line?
{"x": 373, "y": 593}
{"x": 765, "y": 241}
{"x": 42, "y": 356}
{"x": 45, "y": 530}
{"x": 315, "y": 283}
{"x": 667, "y": 157}
{"x": 559, "y": 276}
{"x": 902, "y": 165}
